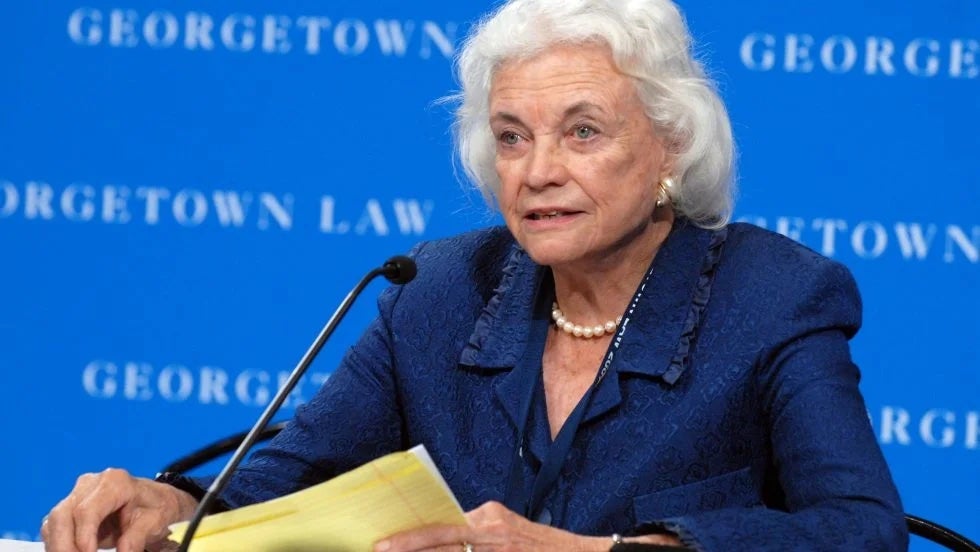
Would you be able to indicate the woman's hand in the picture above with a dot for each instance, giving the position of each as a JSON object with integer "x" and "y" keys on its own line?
{"x": 113, "y": 508}
{"x": 494, "y": 527}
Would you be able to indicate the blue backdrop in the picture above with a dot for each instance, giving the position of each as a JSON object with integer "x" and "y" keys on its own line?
{"x": 188, "y": 188}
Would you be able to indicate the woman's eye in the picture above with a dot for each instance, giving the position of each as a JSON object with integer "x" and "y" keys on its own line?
{"x": 510, "y": 138}
{"x": 584, "y": 132}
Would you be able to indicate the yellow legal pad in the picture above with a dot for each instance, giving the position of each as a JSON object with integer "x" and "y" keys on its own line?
{"x": 350, "y": 512}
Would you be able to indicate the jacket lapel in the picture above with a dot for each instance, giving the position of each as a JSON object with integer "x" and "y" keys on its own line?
{"x": 660, "y": 331}
{"x": 501, "y": 332}
{"x": 656, "y": 335}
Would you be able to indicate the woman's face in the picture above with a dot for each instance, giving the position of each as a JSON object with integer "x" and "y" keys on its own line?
{"x": 577, "y": 157}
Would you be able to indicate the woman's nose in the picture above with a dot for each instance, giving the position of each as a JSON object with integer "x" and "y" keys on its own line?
{"x": 546, "y": 165}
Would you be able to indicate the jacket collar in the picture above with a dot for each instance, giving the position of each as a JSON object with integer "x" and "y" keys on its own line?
{"x": 654, "y": 344}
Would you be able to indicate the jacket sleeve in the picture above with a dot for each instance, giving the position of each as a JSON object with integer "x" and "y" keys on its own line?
{"x": 837, "y": 492}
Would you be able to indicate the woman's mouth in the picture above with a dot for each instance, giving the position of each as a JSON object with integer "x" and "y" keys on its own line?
{"x": 548, "y": 215}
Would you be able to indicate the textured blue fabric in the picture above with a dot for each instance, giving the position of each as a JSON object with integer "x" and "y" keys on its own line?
{"x": 731, "y": 414}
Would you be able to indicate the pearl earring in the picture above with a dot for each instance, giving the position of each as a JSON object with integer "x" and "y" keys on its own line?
{"x": 666, "y": 187}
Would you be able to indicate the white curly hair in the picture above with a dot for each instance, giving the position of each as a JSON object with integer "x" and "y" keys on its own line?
{"x": 650, "y": 42}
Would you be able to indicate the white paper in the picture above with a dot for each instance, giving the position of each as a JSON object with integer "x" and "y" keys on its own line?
{"x": 20, "y": 546}
{"x": 423, "y": 455}
{"x": 7, "y": 545}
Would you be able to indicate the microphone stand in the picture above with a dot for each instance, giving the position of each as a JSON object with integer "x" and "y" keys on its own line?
{"x": 398, "y": 270}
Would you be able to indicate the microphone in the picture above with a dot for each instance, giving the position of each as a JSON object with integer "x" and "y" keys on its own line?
{"x": 397, "y": 270}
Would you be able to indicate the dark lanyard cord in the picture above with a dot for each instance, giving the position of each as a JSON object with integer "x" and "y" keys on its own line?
{"x": 517, "y": 498}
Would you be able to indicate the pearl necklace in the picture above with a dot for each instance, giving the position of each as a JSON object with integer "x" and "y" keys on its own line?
{"x": 582, "y": 331}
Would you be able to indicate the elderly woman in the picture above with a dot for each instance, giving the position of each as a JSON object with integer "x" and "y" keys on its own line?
{"x": 616, "y": 361}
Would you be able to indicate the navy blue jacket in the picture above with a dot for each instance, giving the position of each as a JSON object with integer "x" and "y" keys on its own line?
{"x": 730, "y": 415}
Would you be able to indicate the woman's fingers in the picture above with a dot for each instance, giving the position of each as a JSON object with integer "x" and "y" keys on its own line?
{"x": 490, "y": 513}
{"x": 113, "y": 508}
{"x": 137, "y": 528}
{"x": 433, "y": 537}
{"x": 490, "y": 527}
{"x": 111, "y": 491}
{"x": 143, "y": 526}
{"x": 58, "y": 527}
